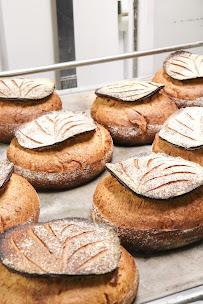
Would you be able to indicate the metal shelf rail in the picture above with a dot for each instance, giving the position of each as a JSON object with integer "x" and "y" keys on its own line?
{"x": 79, "y": 63}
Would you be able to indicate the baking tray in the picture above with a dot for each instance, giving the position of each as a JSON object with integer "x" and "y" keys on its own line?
{"x": 161, "y": 274}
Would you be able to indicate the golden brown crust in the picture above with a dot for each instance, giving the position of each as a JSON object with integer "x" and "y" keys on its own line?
{"x": 148, "y": 224}
{"x": 19, "y": 203}
{"x": 64, "y": 157}
{"x": 133, "y": 123}
{"x": 188, "y": 90}
{"x": 16, "y": 112}
{"x": 150, "y": 240}
{"x": 123, "y": 208}
{"x": 79, "y": 158}
{"x": 160, "y": 145}
{"x": 99, "y": 289}
{"x": 13, "y": 113}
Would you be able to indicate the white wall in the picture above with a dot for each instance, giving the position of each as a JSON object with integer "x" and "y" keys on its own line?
{"x": 28, "y": 34}
{"x": 96, "y": 35}
{"x": 145, "y": 36}
{"x": 164, "y": 23}
{"x": 177, "y": 22}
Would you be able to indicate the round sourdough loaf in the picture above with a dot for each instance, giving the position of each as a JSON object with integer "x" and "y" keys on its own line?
{"x": 130, "y": 117}
{"x": 182, "y": 81}
{"x": 19, "y": 203}
{"x": 66, "y": 164}
{"x": 96, "y": 289}
{"x": 168, "y": 220}
{"x": 182, "y": 135}
{"x": 21, "y": 100}
{"x": 66, "y": 261}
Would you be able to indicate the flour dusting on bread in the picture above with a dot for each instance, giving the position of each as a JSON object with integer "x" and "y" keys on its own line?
{"x": 64, "y": 180}
{"x": 184, "y": 128}
{"x": 52, "y": 128}
{"x": 25, "y": 88}
{"x": 182, "y": 65}
{"x": 129, "y": 90}
{"x": 149, "y": 240}
{"x": 157, "y": 175}
{"x": 70, "y": 246}
{"x": 6, "y": 169}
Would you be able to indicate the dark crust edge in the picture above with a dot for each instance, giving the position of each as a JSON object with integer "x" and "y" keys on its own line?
{"x": 52, "y": 275}
{"x": 25, "y": 99}
{"x": 151, "y": 240}
{"x": 52, "y": 145}
{"x": 119, "y": 99}
{"x": 7, "y": 178}
{"x": 175, "y": 145}
{"x": 150, "y": 197}
{"x": 179, "y": 52}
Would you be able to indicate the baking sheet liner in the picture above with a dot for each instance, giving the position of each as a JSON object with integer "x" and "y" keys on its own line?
{"x": 161, "y": 274}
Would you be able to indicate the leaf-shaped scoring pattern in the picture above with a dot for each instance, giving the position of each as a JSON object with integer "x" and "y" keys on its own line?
{"x": 25, "y": 88}
{"x": 129, "y": 91}
{"x": 52, "y": 128}
{"x": 183, "y": 65}
{"x": 184, "y": 128}
{"x": 70, "y": 246}
{"x": 157, "y": 175}
{"x": 6, "y": 169}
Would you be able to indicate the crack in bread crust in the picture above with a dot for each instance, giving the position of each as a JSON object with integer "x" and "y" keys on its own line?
{"x": 133, "y": 123}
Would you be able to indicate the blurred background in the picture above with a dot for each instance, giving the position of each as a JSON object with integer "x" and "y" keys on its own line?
{"x": 35, "y": 33}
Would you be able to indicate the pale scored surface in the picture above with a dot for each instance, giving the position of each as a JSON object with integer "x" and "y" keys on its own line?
{"x": 182, "y": 65}
{"x": 129, "y": 91}
{"x": 157, "y": 175}
{"x": 184, "y": 128}
{"x": 25, "y": 88}
{"x": 71, "y": 246}
{"x": 52, "y": 128}
{"x": 6, "y": 169}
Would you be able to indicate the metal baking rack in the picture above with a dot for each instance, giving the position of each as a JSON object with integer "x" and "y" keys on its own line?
{"x": 177, "y": 292}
